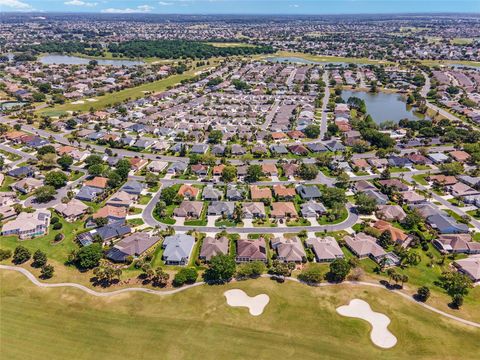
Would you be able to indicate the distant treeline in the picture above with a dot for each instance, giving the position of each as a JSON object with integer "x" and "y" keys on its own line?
{"x": 174, "y": 49}
{"x": 164, "y": 49}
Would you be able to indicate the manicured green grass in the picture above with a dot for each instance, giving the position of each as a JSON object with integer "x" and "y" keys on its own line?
{"x": 323, "y": 220}
{"x": 299, "y": 322}
{"x": 328, "y": 58}
{"x": 134, "y": 211}
{"x": 7, "y": 181}
{"x": 299, "y": 222}
{"x": 135, "y": 222}
{"x": 119, "y": 96}
{"x": 226, "y": 223}
{"x": 199, "y": 222}
{"x": 57, "y": 251}
{"x": 144, "y": 199}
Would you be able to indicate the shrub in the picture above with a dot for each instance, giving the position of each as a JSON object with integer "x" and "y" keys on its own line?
{"x": 311, "y": 275}
{"x": 39, "y": 258}
{"x": 58, "y": 237}
{"x": 185, "y": 276}
{"x": 5, "y": 254}
{"x": 251, "y": 270}
{"x": 54, "y": 220}
{"x": 21, "y": 254}
{"x": 47, "y": 271}
{"x": 57, "y": 226}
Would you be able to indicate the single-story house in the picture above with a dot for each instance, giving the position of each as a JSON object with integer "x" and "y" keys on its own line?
{"x": 177, "y": 249}
{"x": 251, "y": 250}
{"x": 325, "y": 249}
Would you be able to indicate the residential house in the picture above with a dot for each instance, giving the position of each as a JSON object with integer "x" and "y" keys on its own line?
{"x": 105, "y": 233}
{"x": 27, "y": 185}
{"x": 200, "y": 170}
{"x": 234, "y": 194}
{"x": 456, "y": 243}
{"x": 88, "y": 193}
{"x": 269, "y": 169}
{"x": 391, "y": 212}
{"x": 97, "y": 182}
{"x": 189, "y": 209}
{"x": 188, "y": 192}
{"x": 178, "y": 249}
{"x": 253, "y": 210}
{"x": 177, "y": 168}
{"x": 133, "y": 245}
{"x": 72, "y": 210}
{"x": 308, "y": 192}
{"x": 157, "y": 166}
{"x": 282, "y": 192}
{"x": 398, "y": 236}
{"x": 363, "y": 246}
{"x": 221, "y": 208}
{"x": 470, "y": 267}
{"x": 251, "y": 250}
{"x": 111, "y": 213}
{"x": 289, "y": 249}
{"x": 325, "y": 249}
{"x": 28, "y": 225}
{"x": 312, "y": 209}
{"x": 281, "y": 210}
{"x": 133, "y": 187}
{"x": 394, "y": 183}
{"x": 211, "y": 194}
{"x": 257, "y": 193}
{"x": 121, "y": 198}
{"x": 214, "y": 246}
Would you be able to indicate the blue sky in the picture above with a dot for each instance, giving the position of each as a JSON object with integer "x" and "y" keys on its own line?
{"x": 310, "y": 7}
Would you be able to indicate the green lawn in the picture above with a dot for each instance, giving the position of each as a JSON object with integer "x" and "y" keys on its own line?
{"x": 420, "y": 179}
{"x": 299, "y": 322}
{"x": 7, "y": 181}
{"x": 144, "y": 199}
{"x": 119, "y": 96}
{"x": 59, "y": 251}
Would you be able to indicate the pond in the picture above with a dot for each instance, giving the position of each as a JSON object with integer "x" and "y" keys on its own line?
{"x": 7, "y": 105}
{"x": 383, "y": 106}
{"x": 76, "y": 60}
{"x": 299, "y": 60}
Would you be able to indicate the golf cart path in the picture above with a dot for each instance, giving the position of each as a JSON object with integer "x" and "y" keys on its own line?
{"x": 38, "y": 283}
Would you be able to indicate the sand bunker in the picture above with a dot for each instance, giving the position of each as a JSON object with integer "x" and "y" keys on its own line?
{"x": 78, "y": 102}
{"x": 380, "y": 335}
{"x": 92, "y": 100}
{"x": 255, "y": 305}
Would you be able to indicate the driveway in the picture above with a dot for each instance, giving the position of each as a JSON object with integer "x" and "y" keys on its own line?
{"x": 211, "y": 220}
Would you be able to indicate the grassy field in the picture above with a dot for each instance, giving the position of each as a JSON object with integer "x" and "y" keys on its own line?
{"x": 299, "y": 322}
{"x": 119, "y": 96}
{"x": 230, "y": 44}
{"x": 320, "y": 58}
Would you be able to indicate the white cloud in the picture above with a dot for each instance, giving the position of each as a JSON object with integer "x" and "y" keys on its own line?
{"x": 138, "y": 9}
{"x": 295, "y": 6}
{"x": 15, "y": 4}
{"x": 80, "y": 3}
{"x": 164, "y": 3}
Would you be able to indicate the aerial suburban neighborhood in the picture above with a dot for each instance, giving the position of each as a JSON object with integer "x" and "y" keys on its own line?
{"x": 165, "y": 172}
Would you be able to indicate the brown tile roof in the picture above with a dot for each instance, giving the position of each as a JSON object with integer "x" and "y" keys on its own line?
{"x": 260, "y": 193}
{"x": 188, "y": 190}
{"x": 113, "y": 211}
{"x": 283, "y": 209}
{"x": 98, "y": 182}
{"x": 282, "y": 191}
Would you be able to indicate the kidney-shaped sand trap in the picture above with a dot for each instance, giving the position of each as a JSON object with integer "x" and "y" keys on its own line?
{"x": 380, "y": 334}
{"x": 255, "y": 304}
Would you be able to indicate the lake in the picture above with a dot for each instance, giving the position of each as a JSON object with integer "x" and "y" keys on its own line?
{"x": 299, "y": 60}
{"x": 383, "y": 106}
{"x": 76, "y": 60}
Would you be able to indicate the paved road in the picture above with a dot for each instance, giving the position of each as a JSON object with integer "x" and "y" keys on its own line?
{"x": 446, "y": 203}
{"x": 323, "y": 125}
{"x": 89, "y": 291}
{"x": 150, "y": 221}
{"x": 444, "y": 113}
{"x": 61, "y": 193}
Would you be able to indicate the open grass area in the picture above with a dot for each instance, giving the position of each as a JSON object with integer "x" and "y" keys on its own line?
{"x": 7, "y": 181}
{"x": 56, "y": 251}
{"x": 320, "y": 58}
{"x": 119, "y": 96}
{"x": 299, "y": 322}
{"x": 230, "y": 44}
